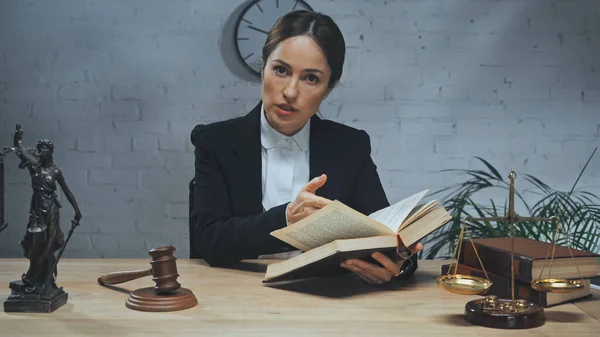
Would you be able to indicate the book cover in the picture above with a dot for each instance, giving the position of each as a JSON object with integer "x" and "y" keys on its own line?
{"x": 529, "y": 257}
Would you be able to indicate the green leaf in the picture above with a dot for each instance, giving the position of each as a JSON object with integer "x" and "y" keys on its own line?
{"x": 582, "y": 170}
{"x": 577, "y": 209}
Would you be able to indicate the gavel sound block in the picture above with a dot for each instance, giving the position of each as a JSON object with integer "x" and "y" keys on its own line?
{"x": 166, "y": 295}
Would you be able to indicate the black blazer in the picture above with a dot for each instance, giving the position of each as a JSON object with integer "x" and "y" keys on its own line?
{"x": 227, "y": 219}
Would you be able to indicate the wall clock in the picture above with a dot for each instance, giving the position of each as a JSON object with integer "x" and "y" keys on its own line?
{"x": 245, "y": 33}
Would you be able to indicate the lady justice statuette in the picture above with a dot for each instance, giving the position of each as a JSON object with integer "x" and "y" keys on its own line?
{"x": 43, "y": 242}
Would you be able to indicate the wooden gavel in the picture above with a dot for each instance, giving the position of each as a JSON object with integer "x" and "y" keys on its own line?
{"x": 163, "y": 270}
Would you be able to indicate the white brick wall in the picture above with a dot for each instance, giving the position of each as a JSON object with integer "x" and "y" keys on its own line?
{"x": 118, "y": 86}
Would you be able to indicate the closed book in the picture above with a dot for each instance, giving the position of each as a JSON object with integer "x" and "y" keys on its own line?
{"x": 501, "y": 287}
{"x": 529, "y": 259}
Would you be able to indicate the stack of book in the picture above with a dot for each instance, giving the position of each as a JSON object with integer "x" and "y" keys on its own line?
{"x": 529, "y": 261}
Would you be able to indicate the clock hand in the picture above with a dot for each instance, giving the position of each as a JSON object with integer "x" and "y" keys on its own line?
{"x": 258, "y": 29}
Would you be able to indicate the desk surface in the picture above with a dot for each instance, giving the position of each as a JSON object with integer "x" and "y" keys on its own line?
{"x": 235, "y": 302}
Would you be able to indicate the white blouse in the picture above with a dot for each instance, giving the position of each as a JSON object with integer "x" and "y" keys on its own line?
{"x": 285, "y": 167}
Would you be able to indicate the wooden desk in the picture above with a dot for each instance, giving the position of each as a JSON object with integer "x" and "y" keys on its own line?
{"x": 234, "y": 302}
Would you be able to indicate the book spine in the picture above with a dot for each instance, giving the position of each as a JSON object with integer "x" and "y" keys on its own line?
{"x": 496, "y": 261}
{"x": 501, "y": 285}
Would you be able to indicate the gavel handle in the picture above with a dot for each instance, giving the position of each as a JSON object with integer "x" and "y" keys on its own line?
{"x": 123, "y": 276}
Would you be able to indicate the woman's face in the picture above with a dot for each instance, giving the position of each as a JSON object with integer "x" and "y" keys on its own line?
{"x": 44, "y": 152}
{"x": 295, "y": 81}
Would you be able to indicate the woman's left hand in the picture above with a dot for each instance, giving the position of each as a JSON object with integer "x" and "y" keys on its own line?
{"x": 374, "y": 274}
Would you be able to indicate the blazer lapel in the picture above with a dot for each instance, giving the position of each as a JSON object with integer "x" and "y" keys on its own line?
{"x": 247, "y": 170}
{"x": 323, "y": 152}
{"x": 247, "y": 163}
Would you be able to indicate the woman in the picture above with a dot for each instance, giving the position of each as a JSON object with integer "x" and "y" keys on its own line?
{"x": 44, "y": 236}
{"x": 281, "y": 163}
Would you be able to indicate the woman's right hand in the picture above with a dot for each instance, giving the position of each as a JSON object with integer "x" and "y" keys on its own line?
{"x": 306, "y": 202}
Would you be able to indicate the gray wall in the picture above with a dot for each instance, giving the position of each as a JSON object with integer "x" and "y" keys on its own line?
{"x": 118, "y": 86}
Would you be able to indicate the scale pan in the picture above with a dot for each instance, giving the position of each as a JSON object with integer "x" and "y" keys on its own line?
{"x": 464, "y": 284}
{"x": 554, "y": 285}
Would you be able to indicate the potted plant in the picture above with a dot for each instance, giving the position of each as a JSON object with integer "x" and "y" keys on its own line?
{"x": 578, "y": 211}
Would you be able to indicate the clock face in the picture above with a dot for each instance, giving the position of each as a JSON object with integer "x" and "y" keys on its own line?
{"x": 254, "y": 24}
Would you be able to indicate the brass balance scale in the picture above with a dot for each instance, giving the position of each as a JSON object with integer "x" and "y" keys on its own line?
{"x": 494, "y": 312}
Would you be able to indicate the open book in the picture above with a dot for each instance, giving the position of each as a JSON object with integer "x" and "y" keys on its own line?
{"x": 337, "y": 232}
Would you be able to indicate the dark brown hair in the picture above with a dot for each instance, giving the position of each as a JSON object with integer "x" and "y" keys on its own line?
{"x": 317, "y": 25}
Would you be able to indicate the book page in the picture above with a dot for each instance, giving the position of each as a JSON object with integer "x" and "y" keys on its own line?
{"x": 393, "y": 215}
{"x": 333, "y": 222}
{"x": 419, "y": 212}
{"x": 425, "y": 225}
